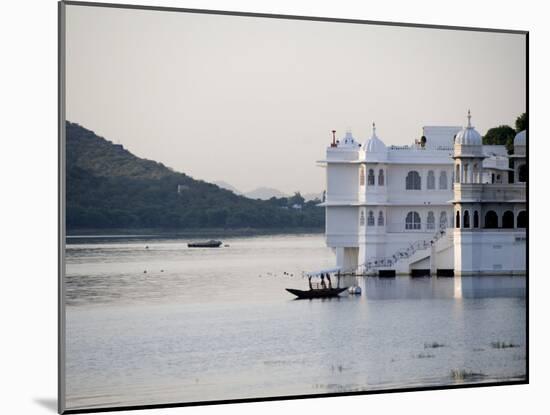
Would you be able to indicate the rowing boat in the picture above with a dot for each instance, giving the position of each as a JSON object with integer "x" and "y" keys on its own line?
{"x": 317, "y": 293}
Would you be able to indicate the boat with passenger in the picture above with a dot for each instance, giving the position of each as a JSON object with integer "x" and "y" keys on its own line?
{"x": 322, "y": 288}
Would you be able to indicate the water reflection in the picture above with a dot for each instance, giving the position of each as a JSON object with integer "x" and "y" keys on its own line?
{"x": 403, "y": 287}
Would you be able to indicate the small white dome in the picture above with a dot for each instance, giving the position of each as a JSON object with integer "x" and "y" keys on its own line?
{"x": 374, "y": 144}
{"x": 520, "y": 139}
{"x": 468, "y": 135}
{"x": 348, "y": 141}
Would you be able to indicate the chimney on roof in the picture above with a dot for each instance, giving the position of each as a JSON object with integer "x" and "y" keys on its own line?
{"x": 333, "y": 144}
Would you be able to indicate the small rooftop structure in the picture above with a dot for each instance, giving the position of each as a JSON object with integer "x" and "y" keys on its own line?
{"x": 348, "y": 141}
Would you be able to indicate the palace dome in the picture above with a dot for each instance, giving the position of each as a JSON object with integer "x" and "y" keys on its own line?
{"x": 374, "y": 144}
{"x": 468, "y": 135}
{"x": 520, "y": 139}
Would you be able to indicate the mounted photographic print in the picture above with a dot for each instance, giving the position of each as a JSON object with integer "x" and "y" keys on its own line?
{"x": 259, "y": 207}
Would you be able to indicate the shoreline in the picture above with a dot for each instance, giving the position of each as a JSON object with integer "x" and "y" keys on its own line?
{"x": 167, "y": 233}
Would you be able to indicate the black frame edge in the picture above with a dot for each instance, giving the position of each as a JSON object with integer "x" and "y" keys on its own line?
{"x": 288, "y": 17}
{"x": 61, "y": 207}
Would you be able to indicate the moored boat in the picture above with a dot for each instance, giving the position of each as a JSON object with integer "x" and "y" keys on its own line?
{"x": 208, "y": 244}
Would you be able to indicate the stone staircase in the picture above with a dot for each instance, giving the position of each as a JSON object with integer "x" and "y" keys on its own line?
{"x": 403, "y": 258}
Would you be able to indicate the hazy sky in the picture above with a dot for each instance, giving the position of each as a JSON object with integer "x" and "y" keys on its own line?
{"x": 252, "y": 101}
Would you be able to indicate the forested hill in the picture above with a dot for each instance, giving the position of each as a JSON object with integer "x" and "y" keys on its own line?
{"x": 108, "y": 187}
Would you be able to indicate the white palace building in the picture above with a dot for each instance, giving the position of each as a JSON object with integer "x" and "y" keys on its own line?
{"x": 445, "y": 205}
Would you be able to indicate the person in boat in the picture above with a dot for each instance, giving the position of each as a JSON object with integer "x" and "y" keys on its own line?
{"x": 309, "y": 280}
{"x": 323, "y": 284}
{"x": 329, "y": 282}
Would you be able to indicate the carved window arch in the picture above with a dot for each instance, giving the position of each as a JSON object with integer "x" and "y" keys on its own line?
{"x": 412, "y": 221}
{"x": 380, "y": 218}
{"x": 508, "y": 219}
{"x": 413, "y": 181}
{"x": 430, "y": 221}
{"x": 466, "y": 223}
{"x": 370, "y": 218}
{"x": 443, "y": 180}
{"x": 431, "y": 180}
{"x": 491, "y": 220}
{"x": 443, "y": 220}
{"x": 381, "y": 177}
{"x": 370, "y": 178}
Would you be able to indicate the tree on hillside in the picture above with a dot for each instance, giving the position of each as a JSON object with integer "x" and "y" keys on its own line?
{"x": 501, "y": 135}
{"x": 521, "y": 122}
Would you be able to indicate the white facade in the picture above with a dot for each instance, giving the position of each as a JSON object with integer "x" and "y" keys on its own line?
{"x": 394, "y": 207}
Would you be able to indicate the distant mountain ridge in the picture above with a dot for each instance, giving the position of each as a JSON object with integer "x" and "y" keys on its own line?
{"x": 264, "y": 193}
{"x": 227, "y": 186}
{"x": 109, "y": 187}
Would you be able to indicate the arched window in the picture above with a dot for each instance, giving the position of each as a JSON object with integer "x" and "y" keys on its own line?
{"x": 431, "y": 180}
{"x": 443, "y": 220}
{"x": 476, "y": 219}
{"x": 465, "y": 179}
{"x": 380, "y": 218}
{"x": 508, "y": 219}
{"x": 370, "y": 178}
{"x": 522, "y": 173}
{"x": 362, "y": 218}
{"x": 370, "y": 219}
{"x": 522, "y": 219}
{"x": 412, "y": 221}
{"x": 430, "y": 222}
{"x": 362, "y": 176}
{"x": 491, "y": 220}
{"x": 413, "y": 181}
{"x": 466, "y": 219}
{"x": 475, "y": 174}
{"x": 380, "y": 177}
{"x": 443, "y": 180}
{"x": 457, "y": 174}
{"x": 457, "y": 220}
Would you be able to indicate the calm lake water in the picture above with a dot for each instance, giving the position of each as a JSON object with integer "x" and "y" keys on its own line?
{"x": 150, "y": 321}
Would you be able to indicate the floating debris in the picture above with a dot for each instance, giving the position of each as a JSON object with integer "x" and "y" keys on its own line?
{"x": 503, "y": 345}
{"x": 433, "y": 345}
{"x": 425, "y": 355}
{"x": 462, "y": 375}
{"x": 354, "y": 290}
